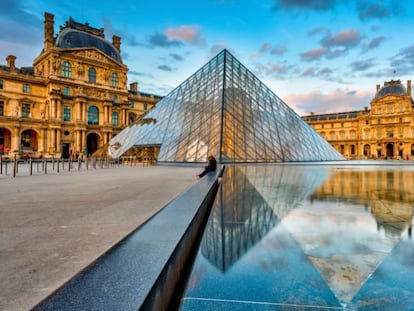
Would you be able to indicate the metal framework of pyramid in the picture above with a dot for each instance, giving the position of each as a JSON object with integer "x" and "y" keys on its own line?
{"x": 224, "y": 110}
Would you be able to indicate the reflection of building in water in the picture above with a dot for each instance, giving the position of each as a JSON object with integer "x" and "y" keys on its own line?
{"x": 389, "y": 194}
{"x": 284, "y": 186}
{"x": 250, "y": 202}
{"x": 239, "y": 219}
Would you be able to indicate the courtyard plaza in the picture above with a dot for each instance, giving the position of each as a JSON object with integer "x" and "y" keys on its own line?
{"x": 55, "y": 225}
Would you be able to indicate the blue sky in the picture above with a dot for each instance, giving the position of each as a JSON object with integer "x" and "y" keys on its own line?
{"x": 317, "y": 55}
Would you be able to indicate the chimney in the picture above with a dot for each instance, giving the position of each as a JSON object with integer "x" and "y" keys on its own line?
{"x": 133, "y": 86}
{"x": 378, "y": 87}
{"x": 11, "y": 62}
{"x": 116, "y": 42}
{"x": 409, "y": 88}
{"x": 49, "y": 24}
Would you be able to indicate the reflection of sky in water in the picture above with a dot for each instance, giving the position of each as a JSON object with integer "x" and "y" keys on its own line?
{"x": 286, "y": 236}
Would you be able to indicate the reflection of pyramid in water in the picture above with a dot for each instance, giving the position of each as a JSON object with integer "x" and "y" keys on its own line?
{"x": 223, "y": 109}
{"x": 344, "y": 261}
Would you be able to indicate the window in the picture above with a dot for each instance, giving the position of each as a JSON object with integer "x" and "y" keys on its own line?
{"x": 366, "y": 134}
{"x": 1, "y": 84}
{"x": 93, "y": 115}
{"x": 26, "y": 88}
{"x": 115, "y": 99}
{"x": 342, "y": 135}
{"x": 131, "y": 104}
{"x": 352, "y": 134}
{"x": 115, "y": 118}
{"x": 114, "y": 79}
{"x": 26, "y": 110}
{"x": 92, "y": 75}
{"x": 66, "y": 69}
{"x": 66, "y": 91}
{"x": 390, "y": 133}
{"x": 1, "y": 109}
{"x": 145, "y": 106}
{"x": 353, "y": 149}
{"x": 66, "y": 113}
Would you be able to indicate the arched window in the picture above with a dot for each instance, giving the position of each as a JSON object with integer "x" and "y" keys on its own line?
{"x": 92, "y": 75}
{"x": 93, "y": 115}
{"x": 66, "y": 69}
{"x": 114, "y": 79}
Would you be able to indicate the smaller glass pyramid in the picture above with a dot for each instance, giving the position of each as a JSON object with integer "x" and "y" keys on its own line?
{"x": 226, "y": 111}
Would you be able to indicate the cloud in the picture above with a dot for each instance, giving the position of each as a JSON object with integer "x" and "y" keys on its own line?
{"x": 378, "y": 10}
{"x": 275, "y": 70}
{"x": 324, "y": 73}
{"x": 280, "y": 50}
{"x": 186, "y": 33}
{"x": 165, "y": 68}
{"x": 314, "y": 54}
{"x": 346, "y": 38}
{"x": 376, "y": 42}
{"x": 217, "y": 48}
{"x": 265, "y": 47}
{"x": 362, "y": 65}
{"x": 313, "y": 5}
{"x": 161, "y": 40}
{"x": 318, "y": 30}
{"x": 319, "y": 103}
{"x": 403, "y": 62}
{"x": 176, "y": 57}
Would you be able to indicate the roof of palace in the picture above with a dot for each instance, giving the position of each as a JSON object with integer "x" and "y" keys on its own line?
{"x": 77, "y": 35}
{"x": 393, "y": 87}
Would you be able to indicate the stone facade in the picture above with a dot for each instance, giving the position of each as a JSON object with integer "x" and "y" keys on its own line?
{"x": 385, "y": 131}
{"x": 73, "y": 100}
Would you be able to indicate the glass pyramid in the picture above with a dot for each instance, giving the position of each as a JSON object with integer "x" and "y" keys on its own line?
{"x": 226, "y": 111}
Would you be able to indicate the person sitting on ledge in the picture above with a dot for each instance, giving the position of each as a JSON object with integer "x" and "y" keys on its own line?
{"x": 211, "y": 166}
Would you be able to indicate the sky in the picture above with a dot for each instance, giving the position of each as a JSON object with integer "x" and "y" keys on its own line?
{"x": 318, "y": 56}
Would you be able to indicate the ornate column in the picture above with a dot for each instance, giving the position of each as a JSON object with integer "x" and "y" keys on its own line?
{"x": 59, "y": 109}
{"x": 58, "y": 143}
{"x": 83, "y": 141}
{"x": 15, "y": 143}
{"x": 42, "y": 141}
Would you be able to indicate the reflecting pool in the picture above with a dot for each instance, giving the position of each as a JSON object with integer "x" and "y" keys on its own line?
{"x": 307, "y": 237}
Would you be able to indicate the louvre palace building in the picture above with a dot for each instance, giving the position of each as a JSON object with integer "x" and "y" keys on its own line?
{"x": 385, "y": 131}
{"x": 73, "y": 100}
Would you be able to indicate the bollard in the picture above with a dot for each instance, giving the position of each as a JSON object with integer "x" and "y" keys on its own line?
{"x": 63, "y": 164}
{"x": 1, "y": 165}
{"x": 31, "y": 166}
{"x": 87, "y": 163}
{"x": 37, "y": 164}
{"x": 5, "y": 168}
{"x": 53, "y": 163}
{"x": 69, "y": 164}
{"x": 79, "y": 164}
{"x": 58, "y": 165}
{"x": 45, "y": 166}
{"x": 15, "y": 166}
